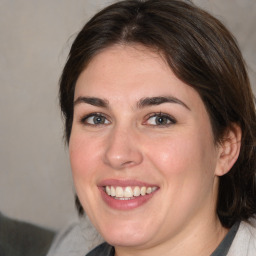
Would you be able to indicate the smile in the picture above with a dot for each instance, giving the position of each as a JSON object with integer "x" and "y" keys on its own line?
{"x": 128, "y": 193}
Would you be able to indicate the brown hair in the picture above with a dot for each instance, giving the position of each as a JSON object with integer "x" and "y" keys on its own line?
{"x": 203, "y": 54}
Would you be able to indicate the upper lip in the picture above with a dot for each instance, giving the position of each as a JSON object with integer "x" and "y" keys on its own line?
{"x": 124, "y": 183}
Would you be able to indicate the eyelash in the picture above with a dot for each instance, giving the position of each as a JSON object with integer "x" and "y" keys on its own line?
{"x": 84, "y": 120}
{"x": 168, "y": 119}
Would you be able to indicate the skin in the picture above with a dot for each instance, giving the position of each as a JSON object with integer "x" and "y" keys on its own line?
{"x": 179, "y": 156}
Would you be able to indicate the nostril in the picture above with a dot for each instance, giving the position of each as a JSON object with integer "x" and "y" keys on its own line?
{"x": 128, "y": 163}
{"x": 125, "y": 161}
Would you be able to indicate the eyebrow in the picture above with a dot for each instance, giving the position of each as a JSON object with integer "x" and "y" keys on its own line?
{"x": 92, "y": 101}
{"x": 151, "y": 101}
{"x": 142, "y": 103}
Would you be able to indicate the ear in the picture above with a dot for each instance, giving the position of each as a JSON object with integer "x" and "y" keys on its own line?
{"x": 229, "y": 149}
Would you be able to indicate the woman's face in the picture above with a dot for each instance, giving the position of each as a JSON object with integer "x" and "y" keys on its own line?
{"x": 142, "y": 151}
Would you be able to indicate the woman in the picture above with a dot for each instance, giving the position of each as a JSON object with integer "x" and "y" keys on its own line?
{"x": 161, "y": 128}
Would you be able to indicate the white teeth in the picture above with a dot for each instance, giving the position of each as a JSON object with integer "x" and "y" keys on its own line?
{"x": 154, "y": 189}
{"x": 113, "y": 191}
{"x": 136, "y": 191}
{"x": 108, "y": 190}
{"x": 127, "y": 192}
{"x": 143, "y": 191}
{"x": 149, "y": 190}
{"x": 119, "y": 192}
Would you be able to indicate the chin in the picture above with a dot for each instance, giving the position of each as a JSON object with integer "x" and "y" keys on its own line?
{"x": 127, "y": 234}
{"x": 126, "y": 229}
{"x": 127, "y": 240}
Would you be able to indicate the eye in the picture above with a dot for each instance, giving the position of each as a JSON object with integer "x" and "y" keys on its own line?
{"x": 95, "y": 119}
{"x": 160, "y": 119}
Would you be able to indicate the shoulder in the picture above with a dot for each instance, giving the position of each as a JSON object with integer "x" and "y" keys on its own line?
{"x": 244, "y": 243}
{"x": 21, "y": 238}
{"x": 77, "y": 238}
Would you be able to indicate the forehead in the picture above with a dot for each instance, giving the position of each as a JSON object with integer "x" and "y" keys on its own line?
{"x": 124, "y": 59}
{"x": 120, "y": 61}
{"x": 131, "y": 72}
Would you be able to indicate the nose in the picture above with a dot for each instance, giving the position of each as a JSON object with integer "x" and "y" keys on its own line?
{"x": 122, "y": 149}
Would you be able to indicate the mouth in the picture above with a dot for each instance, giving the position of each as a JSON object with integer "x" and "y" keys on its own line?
{"x": 128, "y": 192}
{"x": 126, "y": 195}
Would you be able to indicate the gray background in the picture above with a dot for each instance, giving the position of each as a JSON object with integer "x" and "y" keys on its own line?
{"x": 35, "y": 36}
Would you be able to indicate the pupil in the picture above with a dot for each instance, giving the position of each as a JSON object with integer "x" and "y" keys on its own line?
{"x": 160, "y": 120}
{"x": 98, "y": 120}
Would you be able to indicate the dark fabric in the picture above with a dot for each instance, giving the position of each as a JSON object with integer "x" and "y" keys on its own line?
{"x": 23, "y": 239}
{"x": 222, "y": 250}
{"x": 102, "y": 250}
{"x": 224, "y": 246}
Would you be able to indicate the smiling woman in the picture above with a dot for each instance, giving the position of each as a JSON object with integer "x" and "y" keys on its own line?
{"x": 161, "y": 128}
{"x": 135, "y": 145}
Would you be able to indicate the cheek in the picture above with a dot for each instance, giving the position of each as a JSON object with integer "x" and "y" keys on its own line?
{"x": 187, "y": 170}
{"x": 188, "y": 157}
{"x": 83, "y": 155}
{"x": 84, "y": 164}
{"x": 171, "y": 154}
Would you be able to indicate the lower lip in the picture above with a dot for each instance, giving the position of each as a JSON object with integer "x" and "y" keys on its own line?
{"x": 125, "y": 204}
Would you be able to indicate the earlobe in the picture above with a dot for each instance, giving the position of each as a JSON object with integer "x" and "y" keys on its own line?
{"x": 229, "y": 149}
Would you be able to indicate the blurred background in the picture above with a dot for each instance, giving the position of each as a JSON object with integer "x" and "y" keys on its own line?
{"x": 35, "y": 37}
